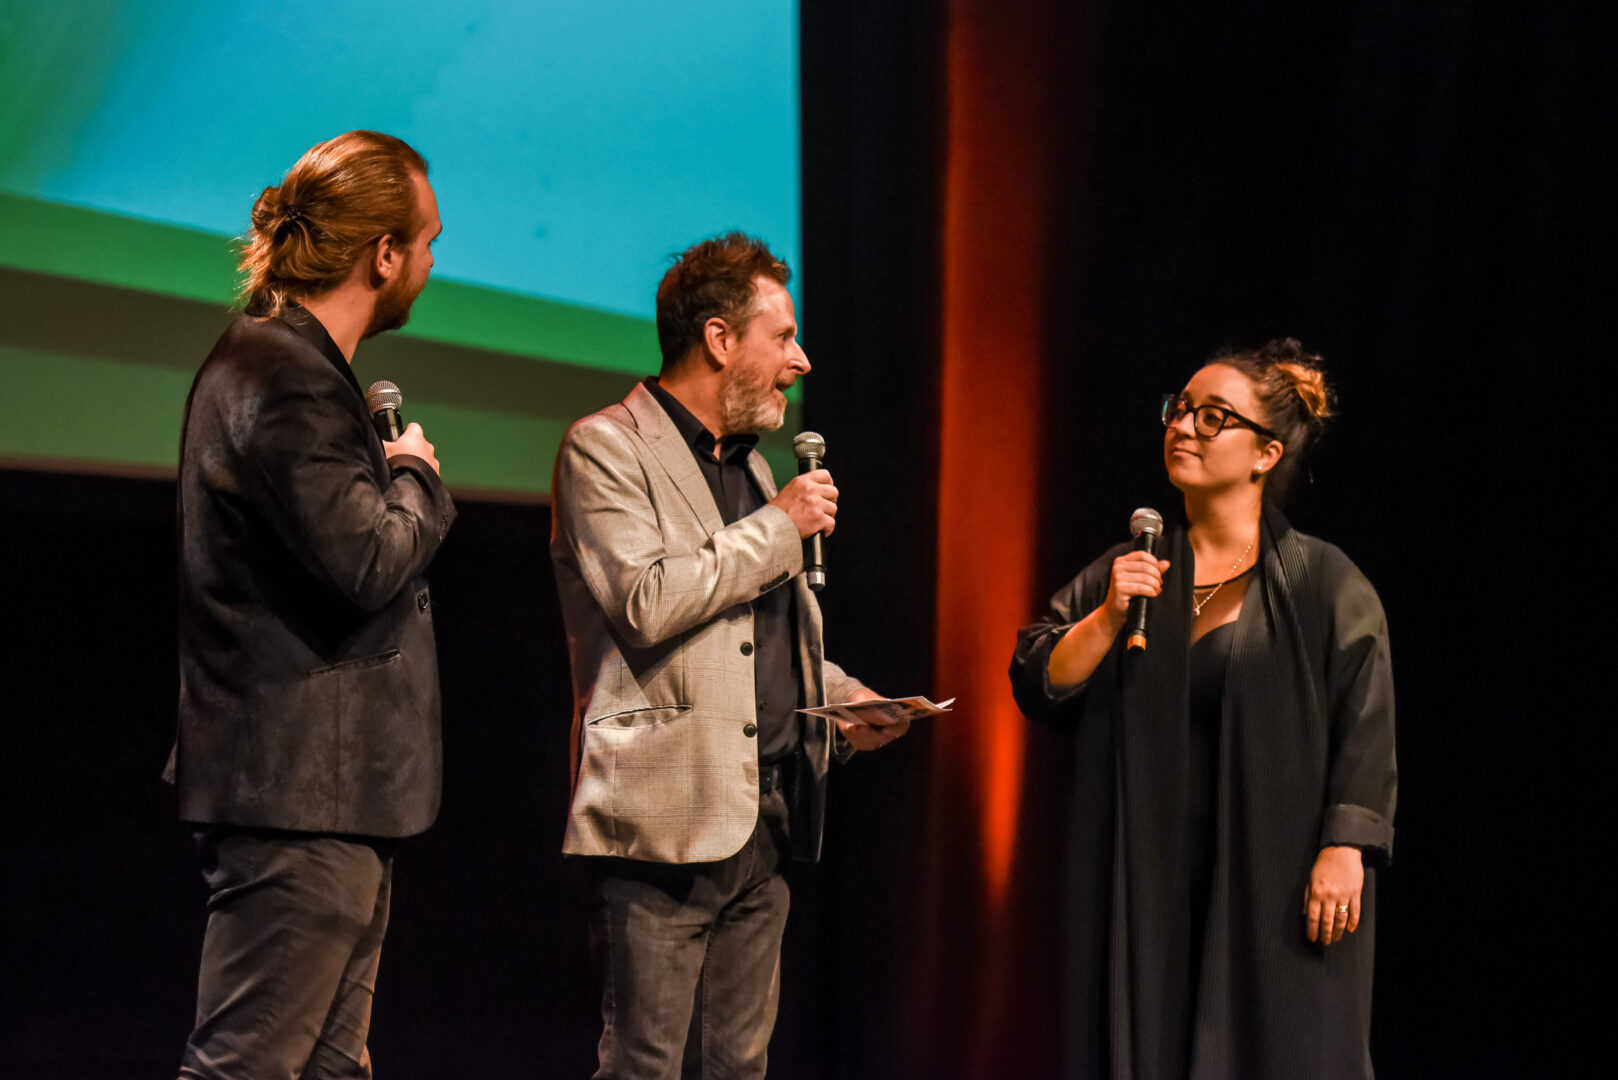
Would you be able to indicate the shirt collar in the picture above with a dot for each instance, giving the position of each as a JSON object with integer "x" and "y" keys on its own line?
{"x": 735, "y": 448}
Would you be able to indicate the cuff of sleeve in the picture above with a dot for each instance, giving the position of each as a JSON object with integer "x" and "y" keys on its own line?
{"x": 1361, "y": 827}
{"x": 786, "y": 546}
{"x": 413, "y": 463}
{"x": 1040, "y": 658}
{"x": 840, "y": 689}
{"x": 847, "y": 687}
{"x": 431, "y": 483}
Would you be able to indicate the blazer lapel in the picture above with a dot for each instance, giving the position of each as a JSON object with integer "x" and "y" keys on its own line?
{"x": 761, "y": 473}
{"x": 672, "y": 452}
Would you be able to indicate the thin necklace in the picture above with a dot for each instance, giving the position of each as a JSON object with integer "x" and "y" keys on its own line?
{"x": 1196, "y": 608}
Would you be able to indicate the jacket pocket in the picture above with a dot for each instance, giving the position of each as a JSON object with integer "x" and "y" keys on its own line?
{"x": 650, "y": 716}
{"x": 358, "y": 664}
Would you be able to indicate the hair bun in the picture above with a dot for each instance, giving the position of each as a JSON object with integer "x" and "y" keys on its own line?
{"x": 274, "y": 212}
{"x": 267, "y": 211}
{"x": 1309, "y": 383}
{"x": 1303, "y": 371}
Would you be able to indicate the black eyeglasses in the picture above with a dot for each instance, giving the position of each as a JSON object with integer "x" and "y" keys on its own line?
{"x": 1207, "y": 420}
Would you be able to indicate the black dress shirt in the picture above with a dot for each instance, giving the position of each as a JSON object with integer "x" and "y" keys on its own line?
{"x": 777, "y": 686}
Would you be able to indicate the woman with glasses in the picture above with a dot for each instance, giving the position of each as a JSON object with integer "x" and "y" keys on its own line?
{"x": 1235, "y": 780}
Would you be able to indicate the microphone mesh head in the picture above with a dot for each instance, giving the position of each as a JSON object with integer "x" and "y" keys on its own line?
{"x": 383, "y": 395}
{"x": 808, "y": 444}
{"x": 1146, "y": 520}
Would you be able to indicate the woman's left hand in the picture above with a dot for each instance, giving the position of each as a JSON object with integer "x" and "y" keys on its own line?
{"x": 1331, "y": 903}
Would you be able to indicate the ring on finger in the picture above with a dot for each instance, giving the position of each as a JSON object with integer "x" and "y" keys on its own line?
{"x": 1342, "y": 909}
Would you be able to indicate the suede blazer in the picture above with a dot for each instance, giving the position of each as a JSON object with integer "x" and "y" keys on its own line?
{"x": 308, "y": 671}
{"x": 657, "y": 594}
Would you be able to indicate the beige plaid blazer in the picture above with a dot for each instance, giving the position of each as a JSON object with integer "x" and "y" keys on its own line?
{"x": 657, "y": 594}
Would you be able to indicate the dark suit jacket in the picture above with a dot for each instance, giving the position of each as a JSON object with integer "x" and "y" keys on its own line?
{"x": 308, "y": 671}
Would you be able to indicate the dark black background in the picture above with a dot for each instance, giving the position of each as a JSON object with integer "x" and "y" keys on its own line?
{"x": 1412, "y": 190}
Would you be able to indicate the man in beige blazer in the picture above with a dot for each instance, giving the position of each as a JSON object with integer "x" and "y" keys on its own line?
{"x": 693, "y": 640}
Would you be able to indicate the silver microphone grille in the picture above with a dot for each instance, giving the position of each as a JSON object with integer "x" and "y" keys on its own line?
{"x": 1146, "y": 520}
{"x": 808, "y": 444}
{"x": 383, "y": 395}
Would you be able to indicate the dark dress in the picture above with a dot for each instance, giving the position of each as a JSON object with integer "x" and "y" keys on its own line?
{"x": 1192, "y": 836}
{"x": 1210, "y": 656}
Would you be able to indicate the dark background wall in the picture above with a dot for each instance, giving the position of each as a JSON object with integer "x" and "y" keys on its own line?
{"x": 1418, "y": 193}
{"x": 1415, "y": 191}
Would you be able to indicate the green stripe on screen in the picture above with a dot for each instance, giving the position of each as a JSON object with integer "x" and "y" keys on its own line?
{"x": 64, "y": 407}
{"x": 110, "y": 249}
{"x": 463, "y": 314}
{"x": 59, "y": 406}
{"x": 104, "y": 319}
{"x": 132, "y": 253}
{"x": 131, "y": 416}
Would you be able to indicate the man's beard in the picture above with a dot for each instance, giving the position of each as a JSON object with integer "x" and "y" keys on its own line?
{"x": 747, "y": 402}
{"x": 393, "y": 305}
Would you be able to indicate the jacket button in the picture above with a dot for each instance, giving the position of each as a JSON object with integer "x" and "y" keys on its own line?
{"x": 750, "y": 730}
{"x": 747, "y": 648}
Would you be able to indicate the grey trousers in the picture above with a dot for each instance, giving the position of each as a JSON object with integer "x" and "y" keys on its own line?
{"x": 692, "y": 948}
{"x": 295, "y": 927}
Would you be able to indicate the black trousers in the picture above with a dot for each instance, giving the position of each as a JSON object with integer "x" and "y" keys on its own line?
{"x": 691, "y": 948}
{"x": 295, "y": 928}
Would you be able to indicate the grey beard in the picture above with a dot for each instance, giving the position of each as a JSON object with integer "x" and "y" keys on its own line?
{"x": 744, "y": 411}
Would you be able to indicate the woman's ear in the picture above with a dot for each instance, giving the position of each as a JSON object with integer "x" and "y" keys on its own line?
{"x": 1268, "y": 458}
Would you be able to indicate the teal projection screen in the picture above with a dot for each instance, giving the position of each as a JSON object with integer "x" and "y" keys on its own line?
{"x": 573, "y": 147}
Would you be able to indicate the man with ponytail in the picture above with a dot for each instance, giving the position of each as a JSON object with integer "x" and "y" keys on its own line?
{"x": 308, "y": 740}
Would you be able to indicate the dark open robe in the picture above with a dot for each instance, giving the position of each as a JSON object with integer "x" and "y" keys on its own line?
{"x": 1305, "y": 760}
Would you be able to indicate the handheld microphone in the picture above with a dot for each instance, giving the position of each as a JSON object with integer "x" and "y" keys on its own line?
{"x": 811, "y": 449}
{"x": 384, "y": 400}
{"x": 1145, "y": 525}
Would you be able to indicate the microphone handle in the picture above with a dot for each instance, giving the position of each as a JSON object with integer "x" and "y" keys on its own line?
{"x": 814, "y": 549}
{"x": 1136, "y": 642}
{"x": 388, "y": 423}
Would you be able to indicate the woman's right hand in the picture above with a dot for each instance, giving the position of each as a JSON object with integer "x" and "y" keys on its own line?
{"x": 1133, "y": 574}
{"x": 1077, "y": 654}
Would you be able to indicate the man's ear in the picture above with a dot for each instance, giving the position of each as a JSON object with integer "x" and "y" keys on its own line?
{"x": 387, "y": 260}
{"x": 719, "y": 339}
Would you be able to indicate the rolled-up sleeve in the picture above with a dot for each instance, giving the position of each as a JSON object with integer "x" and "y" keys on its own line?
{"x": 1362, "y": 779}
{"x": 1031, "y": 659}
